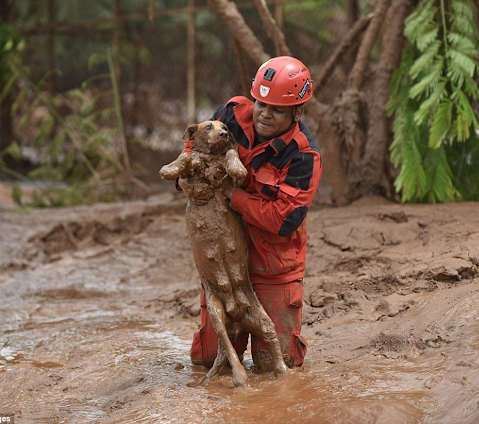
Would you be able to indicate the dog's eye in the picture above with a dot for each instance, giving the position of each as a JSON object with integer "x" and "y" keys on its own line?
{"x": 209, "y": 127}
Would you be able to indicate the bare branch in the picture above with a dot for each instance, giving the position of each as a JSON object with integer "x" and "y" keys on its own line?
{"x": 349, "y": 39}
{"x": 357, "y": 74}
{"x": 245, "y": 80}
{"x": 240, "y": 30}
{"x": 272, "y": 29}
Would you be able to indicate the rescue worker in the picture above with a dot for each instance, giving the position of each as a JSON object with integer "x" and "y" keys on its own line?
{"x": 284, "y": 170}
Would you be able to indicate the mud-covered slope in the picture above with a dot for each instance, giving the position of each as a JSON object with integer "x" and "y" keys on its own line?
{"x": 99, "y": 304}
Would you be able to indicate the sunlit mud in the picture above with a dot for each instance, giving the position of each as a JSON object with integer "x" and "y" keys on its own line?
{"x": 98, "y": 307}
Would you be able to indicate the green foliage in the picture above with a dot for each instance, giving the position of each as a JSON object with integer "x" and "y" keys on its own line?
{"x": 78, "y": 144}
{"x": 435, "y": 143}
{"x": 11, "y": 47}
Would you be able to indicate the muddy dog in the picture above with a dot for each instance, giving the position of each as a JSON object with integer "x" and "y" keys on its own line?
{"x": 219, "y": 246}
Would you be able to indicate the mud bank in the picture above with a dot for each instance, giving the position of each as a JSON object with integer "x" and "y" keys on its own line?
{"x": 99, "y": 304}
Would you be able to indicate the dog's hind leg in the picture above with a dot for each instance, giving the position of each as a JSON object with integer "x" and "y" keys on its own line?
{"x": 218, "y": 320}
{"x": 220, "y": 361}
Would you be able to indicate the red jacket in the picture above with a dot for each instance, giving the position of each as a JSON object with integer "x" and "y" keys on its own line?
{"x": 283, "y": 177}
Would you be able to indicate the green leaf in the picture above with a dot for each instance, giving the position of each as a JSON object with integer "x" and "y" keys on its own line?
{"x": 464, "y": 61}
{"x": 105, "y": 115}
{"x": 24, "y": 121}
{"x": 412, "y": 178}
{"x": 462, "y": 43}
{"x": 461, "y": 126}
{"x": 88, "y": 107}
{"x": 46, "y": 172}
{"x": 425, "y": 39}
{"x": 96, "y": 59}
{"x": 422, "y": 63}
{"x": 14, "y": 150}
{"x": 466, "y": 119}
{"x": 428, "y": 106}
{"x": 75, "y": 94}
{"x": 439, "y": 177}
{"x": 55, "y": 147}
{"x": 441, "y": 124}
{"x": 429, "y": 81}
{"x": 418, "y": 20}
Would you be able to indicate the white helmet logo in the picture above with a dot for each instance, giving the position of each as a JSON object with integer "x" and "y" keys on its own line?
{"x": 263, "y": 90}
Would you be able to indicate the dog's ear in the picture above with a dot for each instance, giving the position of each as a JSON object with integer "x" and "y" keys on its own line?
{"x": 189, "y": 132}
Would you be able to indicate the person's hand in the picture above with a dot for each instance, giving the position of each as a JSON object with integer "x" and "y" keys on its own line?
{"x": 228, "y": 188}
{"x": 228, "y": 192}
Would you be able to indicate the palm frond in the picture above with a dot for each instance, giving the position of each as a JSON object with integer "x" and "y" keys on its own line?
{"x": 428, "y": 106}
{"x": 463, "y": 61}
{"x": 440, "y": 186}
{"x": 418, "y": 22}
{"x": 422, "y": 63}
{"x": 441, "y": 124}
{"x": 432, "y": 101}
{"x": 428, "y": 83}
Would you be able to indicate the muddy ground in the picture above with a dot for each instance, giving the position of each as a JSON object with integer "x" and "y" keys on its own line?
{"x": 99, "y": 304}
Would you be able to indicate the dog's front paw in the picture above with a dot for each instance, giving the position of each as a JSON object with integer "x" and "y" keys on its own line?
{"x": 176, "y": 168}
{"x": 170, "y": 172}
{"x": 235, "y": 167}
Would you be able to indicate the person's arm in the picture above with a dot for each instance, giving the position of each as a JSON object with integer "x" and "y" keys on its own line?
{"x": 296, "y": 191}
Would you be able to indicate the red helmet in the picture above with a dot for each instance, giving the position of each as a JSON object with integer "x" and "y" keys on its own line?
{"x": 282, "y": 81}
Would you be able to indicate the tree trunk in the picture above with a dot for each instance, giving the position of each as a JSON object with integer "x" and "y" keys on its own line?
{"x": 353, "y": 104}
{"x": 349, "y": 40}
{"x": 321, "y": 119}
{"x": 375, "y": 162}
{"x": 352, "y": 17}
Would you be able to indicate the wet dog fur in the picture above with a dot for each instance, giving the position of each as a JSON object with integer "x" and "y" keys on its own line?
{"x": 219, "y": 246}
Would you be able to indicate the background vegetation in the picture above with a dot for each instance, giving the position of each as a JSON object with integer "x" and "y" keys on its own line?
{"x": 95, "y": 95}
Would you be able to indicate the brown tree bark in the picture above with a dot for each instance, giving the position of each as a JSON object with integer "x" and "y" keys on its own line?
{"x": 352, "y": 102}
{"x": 244, "y": 78}
{"x": 348, "y": 41}
{"x": 240, "y": 30}
{"x": 322, "y": 120}
{"x": 352, "y": 16}
{"x": 272, "y": 29}
{"x": 374, "y": 163}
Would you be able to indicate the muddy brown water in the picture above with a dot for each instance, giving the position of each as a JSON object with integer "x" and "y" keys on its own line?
{"x": 99, "y": 304}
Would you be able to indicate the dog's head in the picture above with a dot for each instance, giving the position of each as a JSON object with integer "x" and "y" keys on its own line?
{"x": 209, "y": 137}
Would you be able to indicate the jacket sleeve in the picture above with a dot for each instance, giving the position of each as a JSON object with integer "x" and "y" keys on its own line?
{"x": 296, "y": 188}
